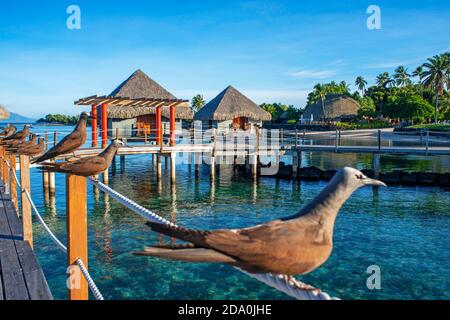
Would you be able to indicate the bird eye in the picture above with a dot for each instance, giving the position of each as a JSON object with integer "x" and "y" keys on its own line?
{"x": 358, "y": 176}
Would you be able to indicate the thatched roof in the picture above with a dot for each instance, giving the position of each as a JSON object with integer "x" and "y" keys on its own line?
{"x": 335, "y": 106}
{"x": 140, "y": 85}
{"x": 4, "y": 114}
{"x": 230, "y": 104}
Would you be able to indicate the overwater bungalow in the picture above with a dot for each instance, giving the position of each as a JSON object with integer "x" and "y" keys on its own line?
{"x": 231, "y": 110}
{"x": 335, "y": 108}
{"x": 136, "y": 120}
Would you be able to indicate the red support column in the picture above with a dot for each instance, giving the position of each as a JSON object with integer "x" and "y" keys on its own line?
{"x": 158, "y": 126}
{"x": 172, "y": 125}
{"x": 104, "y": 125}
{"x": 94, "y": 126}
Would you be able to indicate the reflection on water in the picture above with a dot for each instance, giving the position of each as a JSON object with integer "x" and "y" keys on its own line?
{"x": 401, "y": 229}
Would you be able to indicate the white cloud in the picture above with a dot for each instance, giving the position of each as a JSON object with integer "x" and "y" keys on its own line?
{"x": 314, "y": 74}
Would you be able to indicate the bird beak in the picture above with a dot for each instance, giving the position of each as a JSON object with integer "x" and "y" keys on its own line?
{"x": 374, "y": 182}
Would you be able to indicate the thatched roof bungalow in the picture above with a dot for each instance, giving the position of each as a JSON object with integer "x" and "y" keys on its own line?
{"x": 140, "y": 119}
{"x": 335, "y": 107}
{"x": 231, "y": 109}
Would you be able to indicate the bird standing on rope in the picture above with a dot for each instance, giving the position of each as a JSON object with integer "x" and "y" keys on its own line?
{"x": 89, "y": 166}
{"x": 71, "y": 142}
{"x": 289, "y": 246}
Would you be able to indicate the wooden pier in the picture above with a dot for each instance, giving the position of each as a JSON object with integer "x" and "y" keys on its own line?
{"x": 21, "y": 277}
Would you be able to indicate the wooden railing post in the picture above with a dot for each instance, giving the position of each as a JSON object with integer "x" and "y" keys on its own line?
{"x": 13, "y": 183}
{"x": 76, "y": 212}
{"x": 6, "y": 170}
{"x": 1, "y": 162}
{"x": 27, "y": 223}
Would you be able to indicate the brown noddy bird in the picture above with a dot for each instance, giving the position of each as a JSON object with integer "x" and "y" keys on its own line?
{"x": 18, "y": 136}
{"x": 70, "y": 143}
{"x": 24, "y": 144}
{"x": 290, "y": 246}
{"x": 32, "y": 150}
{"x": 8, "y": 131}
{"x": 89, "y": 166}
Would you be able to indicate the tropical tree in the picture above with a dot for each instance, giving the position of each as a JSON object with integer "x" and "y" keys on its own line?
{"x": 321, "y": 91}
{"x": 384, "y": 80}
{"x": 197, "y": 102}
{"x": 418, "y": 73}
{"x": 402, "y": 77}
{"x": 436, "y": 75}
{"x": 367, "y": 107}
{"x": 361, "y": 83}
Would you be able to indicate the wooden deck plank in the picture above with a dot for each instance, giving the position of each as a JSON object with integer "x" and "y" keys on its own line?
{"x": 34, "y": 278}
{"x": 21, "y": 277}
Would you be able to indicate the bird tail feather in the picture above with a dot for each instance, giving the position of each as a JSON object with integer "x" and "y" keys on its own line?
{"x": 195, "y": 236}
{"x": 53, "y": 167}
{"x": 187, "y": 255}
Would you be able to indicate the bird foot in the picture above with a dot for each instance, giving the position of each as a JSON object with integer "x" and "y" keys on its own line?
{"x": 301, "y": 285}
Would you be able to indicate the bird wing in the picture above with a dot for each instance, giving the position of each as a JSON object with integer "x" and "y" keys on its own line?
{"x": 68, "y": 144}
{"x": 245, "y": 244}
{"x": 87, "y": 166}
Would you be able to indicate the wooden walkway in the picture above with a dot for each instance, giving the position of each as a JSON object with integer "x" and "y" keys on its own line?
{"x": 284, "y": 149}
{"x": 21, "y": 277}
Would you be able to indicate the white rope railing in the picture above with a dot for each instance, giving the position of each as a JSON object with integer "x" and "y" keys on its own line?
{"x": 92, "y": 286}
{"x": 279, "y": 282}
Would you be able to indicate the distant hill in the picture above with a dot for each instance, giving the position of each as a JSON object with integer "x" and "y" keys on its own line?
{"x": 17, "y": 118}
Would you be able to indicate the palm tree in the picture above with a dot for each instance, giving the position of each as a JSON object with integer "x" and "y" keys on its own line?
{"x": 361, "y": 83}
{"x": 419, "y": 73}
{"x": 321, "y": 91}
{"x": 402, "y": 77}
{"x": 384, "y": 79}
{"x": 197, "y": 102}
{"x": 436, "y": 76}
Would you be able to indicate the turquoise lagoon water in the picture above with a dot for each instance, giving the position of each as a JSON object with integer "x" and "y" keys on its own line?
{"x": 403, "y": 230}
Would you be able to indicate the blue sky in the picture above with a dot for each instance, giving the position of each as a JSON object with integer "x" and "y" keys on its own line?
{"x": 269, "y": 50}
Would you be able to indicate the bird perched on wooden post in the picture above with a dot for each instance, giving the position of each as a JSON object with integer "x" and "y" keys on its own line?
{"x": 89, "y": 166}
{"x": 24, "y": 144}
{"x": 8, "y": 131}
{"x": 19, "y": 136}
{"x": 290, "y": 246}
{"x": 69, "y": 143}
{"x": 32, "y": 150}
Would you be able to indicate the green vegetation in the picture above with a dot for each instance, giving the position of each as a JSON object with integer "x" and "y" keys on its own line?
{"x": 282, "y": 112}
{"x": 320, "y": 91}
{"x": 399, "y": 96}
{"x": 197, "y": 103}
{"x": 431, "y": 127}
{"x": 363, "y": 124}
{"x": 59, "y": 119}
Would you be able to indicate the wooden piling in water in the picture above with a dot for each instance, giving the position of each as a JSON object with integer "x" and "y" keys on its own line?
{"x": 379, "y": 139}
{"x": 27, "y": 223}
{"x": 76, "y": 208}
{"x": 376, "y": 165}
{"x": 173, "y": 167}
{"x": 106, "y": 176}
{"x": 159, "y": 166}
